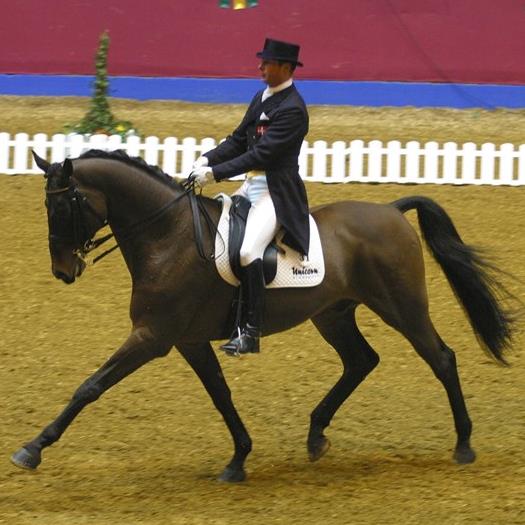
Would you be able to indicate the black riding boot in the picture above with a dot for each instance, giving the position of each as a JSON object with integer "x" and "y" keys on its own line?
{"x": 247, "y": 341}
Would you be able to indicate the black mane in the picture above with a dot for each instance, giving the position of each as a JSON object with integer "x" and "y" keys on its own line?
{"x": 138, "y": 162}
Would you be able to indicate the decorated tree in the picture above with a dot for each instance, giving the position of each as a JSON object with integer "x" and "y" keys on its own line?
{"x": 99, "y": 118}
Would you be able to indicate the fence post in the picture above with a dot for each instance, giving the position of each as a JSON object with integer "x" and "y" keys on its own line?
{"x": 487, "y": 163}
{"x": 77, "y": 145}
{"x": 132, "y": 146}
{"x": 468, "y": 164}
{"x": 40, "y": 148}
{"x": 356, "y": 160}
{"x": 303, "y": 160}
{"x": 374, "y": 168}
{"x": 98, "y": 141}
{"x": 114, "y": 142}
{"x": 450, "y": 163}
{"x": 430, "y": 166}
{"x": 521, "y": 165}
{"x": 506, "y": 164}
{"x": 21, "y": 151}
{"x": 189, "y": 149}
{"x": 338, "y": 161}
{"x": 206, "y": 145}
{"x": 393, "y": 161}
{"x": 4, "y": 152}
{"x": 169, "y": 158}
{"x": 151, "y": 150}
{"x": 320, "y": 153}
{"x": 412, "y": 162}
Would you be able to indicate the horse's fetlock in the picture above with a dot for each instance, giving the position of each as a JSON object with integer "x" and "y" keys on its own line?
{"x": 317, "y": 424}
{"x": 49, "y": 436}
{"x": 246, "y": 446}
{"x": 449, "y": 353}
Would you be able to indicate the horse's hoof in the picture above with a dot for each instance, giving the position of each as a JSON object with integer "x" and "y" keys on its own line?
{"x": 24, "y": 459}
{"x": 231, "y": 475}
{"x": 319, "y": 448}
{"x": 464, "y": 455}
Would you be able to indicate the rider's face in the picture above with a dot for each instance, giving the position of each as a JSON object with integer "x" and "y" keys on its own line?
{"x": 274, "y": 73}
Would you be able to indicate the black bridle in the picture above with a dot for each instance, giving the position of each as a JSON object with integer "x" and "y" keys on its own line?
{"x": 82, "y": 234}
{"x": 83, "y": 238}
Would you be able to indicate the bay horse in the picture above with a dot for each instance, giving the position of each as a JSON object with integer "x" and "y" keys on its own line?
{"x": 373, "y": 256}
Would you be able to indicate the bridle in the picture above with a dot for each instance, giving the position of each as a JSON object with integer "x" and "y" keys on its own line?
{"x": 83, "y": 239}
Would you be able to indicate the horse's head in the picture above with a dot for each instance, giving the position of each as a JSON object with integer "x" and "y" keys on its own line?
{"x": 72, "y": 219}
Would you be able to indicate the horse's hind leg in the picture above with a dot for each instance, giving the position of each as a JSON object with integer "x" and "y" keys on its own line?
{"x": 338, "y": 326}
{"x": 140, "y": 347}
{"x": 442, "y": 360}
{"x": 408, "y": 314}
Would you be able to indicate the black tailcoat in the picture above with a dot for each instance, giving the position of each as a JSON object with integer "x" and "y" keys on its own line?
{"x": 272, "y": 146}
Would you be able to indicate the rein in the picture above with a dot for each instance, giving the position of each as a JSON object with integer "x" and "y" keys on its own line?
{"x": 86, "y": 244}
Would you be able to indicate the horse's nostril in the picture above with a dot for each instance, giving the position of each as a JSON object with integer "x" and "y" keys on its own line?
{"x": 63, "y": 276}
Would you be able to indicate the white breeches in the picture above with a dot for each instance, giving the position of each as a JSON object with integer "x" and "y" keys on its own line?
{"x": 261, "y": 224}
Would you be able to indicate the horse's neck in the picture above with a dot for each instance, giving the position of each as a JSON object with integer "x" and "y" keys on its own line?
{"x": 133, "y": 198}
{"x": 131, "y": 195}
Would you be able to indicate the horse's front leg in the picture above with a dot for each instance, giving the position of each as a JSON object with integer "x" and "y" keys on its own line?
{"x": 203, "y": 360}
{"x": 141, "y": 346}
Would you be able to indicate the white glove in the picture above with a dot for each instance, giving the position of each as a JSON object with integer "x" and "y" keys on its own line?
{"x": 200, "y": 162}
{"x": 203, "y": 176}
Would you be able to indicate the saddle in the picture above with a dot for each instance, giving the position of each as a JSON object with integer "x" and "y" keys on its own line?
{"x": 283, "y": 267}
{"x": 240, "y": 206}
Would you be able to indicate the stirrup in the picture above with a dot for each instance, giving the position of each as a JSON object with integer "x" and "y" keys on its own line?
{"x": 246, "y": 342}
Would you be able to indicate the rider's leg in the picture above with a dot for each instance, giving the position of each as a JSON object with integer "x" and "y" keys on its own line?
{"x": 261, "y": 227}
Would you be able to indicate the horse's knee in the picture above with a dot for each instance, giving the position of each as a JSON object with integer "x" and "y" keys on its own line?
{"x": 88, "y": 392}
{"x": 151, "y": 342}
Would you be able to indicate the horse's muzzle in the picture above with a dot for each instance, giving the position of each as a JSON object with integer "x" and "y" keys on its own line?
{"x": 69, "y": 277}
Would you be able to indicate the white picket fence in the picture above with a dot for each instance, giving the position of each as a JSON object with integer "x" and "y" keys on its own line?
{"x": 341, "y": 161}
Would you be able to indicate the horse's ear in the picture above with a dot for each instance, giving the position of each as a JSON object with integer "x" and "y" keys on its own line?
{"x": 40, "y": 162}
{"x": 67, "y": 169}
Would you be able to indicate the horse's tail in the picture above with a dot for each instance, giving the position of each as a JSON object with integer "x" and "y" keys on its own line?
{"x": 467, "y": 272}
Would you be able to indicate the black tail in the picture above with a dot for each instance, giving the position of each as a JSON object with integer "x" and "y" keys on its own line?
{"x": 467, "y": 272}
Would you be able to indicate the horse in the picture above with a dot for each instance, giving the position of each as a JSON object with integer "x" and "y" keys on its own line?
{"x": 373, "y": 257}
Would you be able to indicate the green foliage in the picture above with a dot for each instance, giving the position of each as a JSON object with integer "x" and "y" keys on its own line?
{"x": 99, "y": 118}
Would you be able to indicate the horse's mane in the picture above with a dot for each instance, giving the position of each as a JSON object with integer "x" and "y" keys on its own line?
{"x": 138, "y": 162}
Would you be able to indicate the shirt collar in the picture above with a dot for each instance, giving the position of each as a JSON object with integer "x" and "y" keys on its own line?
{"x": 269, "y": 91}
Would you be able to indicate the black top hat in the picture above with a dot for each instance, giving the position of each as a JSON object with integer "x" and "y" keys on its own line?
{"x": 283, "y": 51}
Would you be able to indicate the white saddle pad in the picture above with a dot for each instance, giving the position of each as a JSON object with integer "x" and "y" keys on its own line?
{"x": 292, "y": 271}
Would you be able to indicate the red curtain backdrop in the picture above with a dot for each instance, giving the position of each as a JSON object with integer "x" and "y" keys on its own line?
{"x": 470, "y": 41}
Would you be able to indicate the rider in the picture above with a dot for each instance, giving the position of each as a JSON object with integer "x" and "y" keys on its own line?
{"x": 266, "y": 147}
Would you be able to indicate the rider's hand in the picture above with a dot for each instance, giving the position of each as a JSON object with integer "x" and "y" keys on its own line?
{"x": 200, "y": 162}
{"x": 203, "y": 176}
